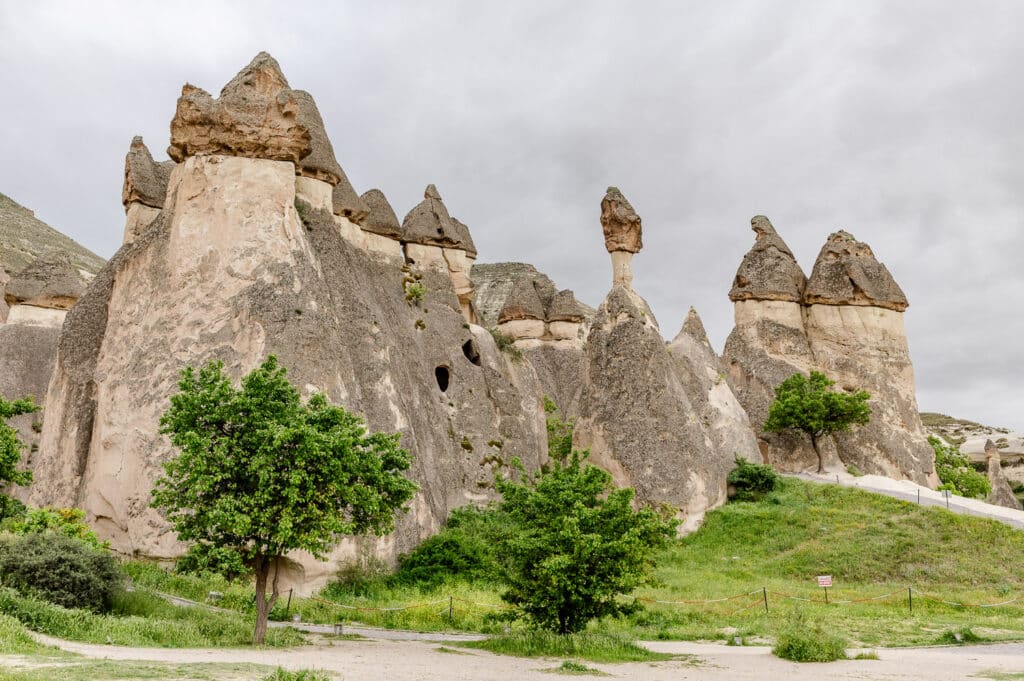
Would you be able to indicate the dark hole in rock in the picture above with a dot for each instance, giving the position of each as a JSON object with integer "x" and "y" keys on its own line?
{"x": 441, "y": 374}
{"x": 470, "y": 351}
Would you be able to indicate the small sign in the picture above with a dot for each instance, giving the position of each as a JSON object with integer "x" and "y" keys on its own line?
{"x": 824, "y": 581}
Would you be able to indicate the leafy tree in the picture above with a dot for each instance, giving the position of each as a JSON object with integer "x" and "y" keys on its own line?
{"x": 263, "y": 474}
{"x": 10, "y": 449}
{"x": 578, "y": 543}
{"x": 808, "y": 405}
{"x": 956, "y": 473}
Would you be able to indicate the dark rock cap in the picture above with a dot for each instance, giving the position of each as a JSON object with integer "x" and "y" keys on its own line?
{"x": 768, "y": 271}
{"x": 50, "y": 281}
{"x": 145, "y": 180}
{"x": 429, "y": 223}
{"x": 565, "y": 308}
{"x": 523, "y": 302}
{"x": 381, "y": 218}
{"x": 621, "y": 224}
{"x": 847, "y": 273}
{"x": 347, "y": 203}
{"x": 320, "y": 163}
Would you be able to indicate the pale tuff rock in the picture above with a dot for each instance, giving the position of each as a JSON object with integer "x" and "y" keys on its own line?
{"x": 1002, "y": 494}
{"x": 145, "y": 180}
{"x": 229, "y": 271}
{"x": 429, "y": 223}
{"x": 138, "y": 216}
{"x": 381, "y": 218}
{"x": 51, "y": 281}
{"x": 847, "y": 273}
{"x": 768, "y": 271}
{"x": 857, "y": 343}
{"x": 257, "y": 115}
{"x": 642, "y": 411}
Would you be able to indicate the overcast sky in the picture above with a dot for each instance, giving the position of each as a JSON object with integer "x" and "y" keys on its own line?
{"x": 898, "y": 121}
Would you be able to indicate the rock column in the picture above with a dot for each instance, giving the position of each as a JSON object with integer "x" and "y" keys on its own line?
{"x": 622, "y": 235}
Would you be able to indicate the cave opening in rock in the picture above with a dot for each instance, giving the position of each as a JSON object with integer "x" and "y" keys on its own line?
{"x": 441, "y": 373}
{"x": 471, "y": 352}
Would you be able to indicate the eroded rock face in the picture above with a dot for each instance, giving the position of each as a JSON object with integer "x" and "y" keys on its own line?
{"x": 849, "y": 325}
{"x": 1002, "y": 494}
{"x": 642, "y": 406}
{"x": 145, "y": 180}
{"x": 381, "y": 219}
{"x": 257, "y": 116}
{"x": 52, "y": 281}
{"x": 847, "y": 273}
{"x": 229, "y": 271}
{"x": 768, "y": 271}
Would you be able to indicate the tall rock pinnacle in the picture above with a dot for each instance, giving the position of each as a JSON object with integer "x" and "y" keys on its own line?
{"x": 622, "y": 234}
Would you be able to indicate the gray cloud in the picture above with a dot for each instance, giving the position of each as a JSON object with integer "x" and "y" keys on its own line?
{"x": 895, "y": 121}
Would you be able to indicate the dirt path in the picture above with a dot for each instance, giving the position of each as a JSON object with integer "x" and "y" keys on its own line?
{"x": 371, "y": 660}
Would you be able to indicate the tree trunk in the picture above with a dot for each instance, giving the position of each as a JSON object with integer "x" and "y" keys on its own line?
{"x": 263, "y": 604}
{"x": 821, "y": 461}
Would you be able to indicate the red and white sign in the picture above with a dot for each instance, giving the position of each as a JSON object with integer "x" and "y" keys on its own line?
{"x": 824, "y": 581}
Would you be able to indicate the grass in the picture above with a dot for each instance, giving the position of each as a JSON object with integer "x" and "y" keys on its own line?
{"x": 80, "y": 669}
{"x": 140, "y": 619}
{"x": 570, "y": 668}
{"x": 587, "y": 646}
{"x": 872, "y": 545}
{"x": 801, "y": 640}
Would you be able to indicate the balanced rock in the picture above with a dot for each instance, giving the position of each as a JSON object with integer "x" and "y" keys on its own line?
{"x": 857, "y": 337}
{"x": 622, "y": 234}
{"x": 145, "y": 188}
{"x": 257, "y": 116}
{"x": 768, "y": 271}
{"x": 768, "y": 344}
{"x": 1002, "y": 494}
{"x": 847, "y": 273}
{"x": 381, "y": 218}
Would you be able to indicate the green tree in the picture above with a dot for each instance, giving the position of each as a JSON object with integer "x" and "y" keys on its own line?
{"x": 10, "y": 449}
{"x": 808, "y": 404}
{"x": 956, "y": 473}
{"x": 263, "y": 474}
{"x": 578, "y": 543}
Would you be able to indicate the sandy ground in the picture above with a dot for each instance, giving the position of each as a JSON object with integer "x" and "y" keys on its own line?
{"x": 372, "y": 660}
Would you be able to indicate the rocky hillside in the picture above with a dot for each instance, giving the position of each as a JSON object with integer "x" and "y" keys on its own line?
{"x": 24, "y": 237}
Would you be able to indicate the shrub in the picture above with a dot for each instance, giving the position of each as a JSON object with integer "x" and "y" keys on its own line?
{"x": 60, "y": 569}
{"x": 800, "y": 640}
{"x": 956, "y": 473}
{"x": 506, "y": 344}
{"x": 299, "y": 675}
{"x": 67, "y": 522}
{"x": 208, "y": 559}
{"x": 751, "y": 481}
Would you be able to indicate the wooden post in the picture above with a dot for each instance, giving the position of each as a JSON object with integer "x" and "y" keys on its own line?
{"x": 764, "y": 592}
{"x": 826, "y": 595}
{"x": 288, "y": 607}
{"x": 910, "y": 598}
{"x": 451, "y": 609}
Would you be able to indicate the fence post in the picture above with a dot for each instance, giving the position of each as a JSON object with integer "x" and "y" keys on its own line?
{"x": 288, "y": 607}
{"x": 764, "y": 592}
{"x": 451, "y": 609}
{"x": 910, "y": 598}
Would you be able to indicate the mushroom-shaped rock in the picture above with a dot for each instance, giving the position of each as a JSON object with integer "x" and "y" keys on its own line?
{"x": 381, "y": 218}
{"x": 847, "y": 273}
{"x": 145, "y": 180}
{"x": 257, "y": 116}
{"x": 51, "y": 281}
{"x": 429, "y": 223}
{"x": 1001, "y": 494}
{"x": 768, "y": 271}
{"x": 348, "y": 204}
{"x": 523, "y": 302}
{"x": 622, "y": 230}
{"x": 565, "y": 308}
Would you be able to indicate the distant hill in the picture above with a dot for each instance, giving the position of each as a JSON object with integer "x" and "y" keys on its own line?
{"x": 24, "y": 237}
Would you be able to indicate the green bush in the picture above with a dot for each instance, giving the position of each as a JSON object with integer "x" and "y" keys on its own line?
{"x": 67, "y": 522}
{"x": 801, "y": 640}
{"x": 203, "y": 559}
{"x": 59, "y": 569}
{"x": 751, "y": 481}
{"x": 300, "y": 675}
{"x": 955, "y": 471}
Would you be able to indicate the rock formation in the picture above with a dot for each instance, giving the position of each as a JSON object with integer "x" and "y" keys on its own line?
{"x": 622, "y": 238}
{"x": 661, "y": 419}
{"x": 24, "y": 237}
{"x": 768, "y": 343}
{"x": 1002, "y": 494}
{"x": 145, "y": 188}
{"x": 231, "y": 270}
{"x": 847, "y": 322}
{"x": 434, "y": 239}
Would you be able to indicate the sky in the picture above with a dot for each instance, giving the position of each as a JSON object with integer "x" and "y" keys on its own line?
{"x": 897, "y": 121}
